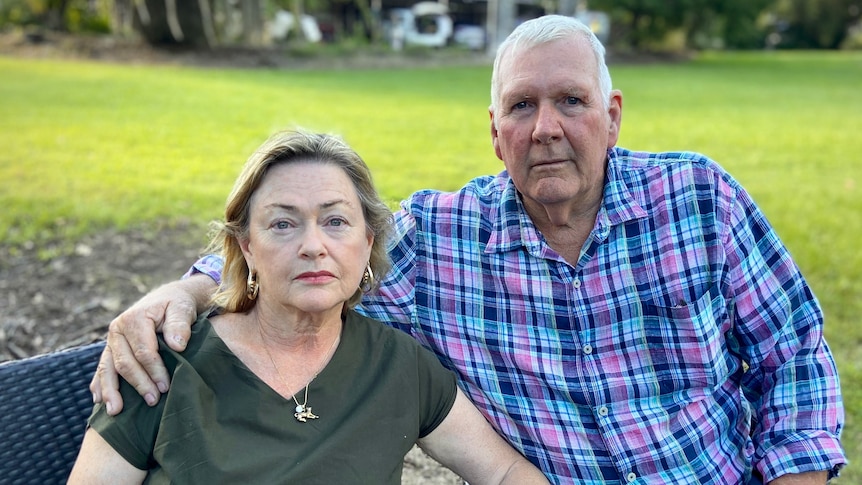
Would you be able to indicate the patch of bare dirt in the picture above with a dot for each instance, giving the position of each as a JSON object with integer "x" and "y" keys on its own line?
{"x": 53, "y": 302}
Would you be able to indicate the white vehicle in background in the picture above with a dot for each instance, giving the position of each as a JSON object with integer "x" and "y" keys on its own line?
{"x": 425, "y": 24}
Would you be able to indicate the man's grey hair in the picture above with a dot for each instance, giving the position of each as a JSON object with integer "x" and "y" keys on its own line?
{"x": 546, "y": 29}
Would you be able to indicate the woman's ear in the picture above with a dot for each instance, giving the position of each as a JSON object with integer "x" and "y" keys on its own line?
{"x": 370, "y": 239}
{"x": 245, "y": 247}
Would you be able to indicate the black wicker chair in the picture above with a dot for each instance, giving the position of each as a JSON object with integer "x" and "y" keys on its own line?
{"x": 44, "y": 405}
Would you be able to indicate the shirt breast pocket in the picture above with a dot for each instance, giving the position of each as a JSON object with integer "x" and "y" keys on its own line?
{"x": 685, "y": 342}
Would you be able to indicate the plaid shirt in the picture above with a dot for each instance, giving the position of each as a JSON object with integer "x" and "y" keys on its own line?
{"x": 683, "y": 347}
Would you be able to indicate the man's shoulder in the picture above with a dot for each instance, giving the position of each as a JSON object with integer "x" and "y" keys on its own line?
{"x": 627, "y": 159}
{"x": 476, "y": 188}
{"x": 668, "y": 181}
{"x": 474, "y": 200}
{"x": 644, "y": 167}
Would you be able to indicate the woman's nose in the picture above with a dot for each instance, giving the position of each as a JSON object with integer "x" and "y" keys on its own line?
{"x": 312, "y": 244}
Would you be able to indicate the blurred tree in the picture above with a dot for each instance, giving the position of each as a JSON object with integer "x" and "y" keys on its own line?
{"x": 252, "y": 22}
{"x": 175, "y": 22}
{"x": 811, "y": 24}
{"x": 727, "y": 24}
{"x": 814, "y": 24}
{"x": 641, "y": 23}
{"x": 55, "y": 14}
{"x": 740, "y": 23}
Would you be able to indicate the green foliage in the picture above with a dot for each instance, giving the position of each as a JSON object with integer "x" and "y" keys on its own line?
{"x": 641, "y": 24}
{"x": 737, "y": 24}
{"x": 737, "y": 21}
{"x": 16, "y": 13}
{"x": 81, "y": 18}
{"x": 70, "y": 15}
{"x": 89, "y": 145}
{"x": 814, "y": 24}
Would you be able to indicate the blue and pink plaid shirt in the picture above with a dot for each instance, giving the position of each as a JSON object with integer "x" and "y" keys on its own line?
{"x": 683, "y": 347}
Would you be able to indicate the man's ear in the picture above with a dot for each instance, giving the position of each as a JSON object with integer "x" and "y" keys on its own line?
{"x": 494, "y": 134}
{"x": 615, "y": 113}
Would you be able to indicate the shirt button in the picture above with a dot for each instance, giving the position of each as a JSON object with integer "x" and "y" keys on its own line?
{"x": 603, "y": 411}
{"x": 588, "y": 349}
{"x": 631, "y": 477}
{"x": 577, "y": 283}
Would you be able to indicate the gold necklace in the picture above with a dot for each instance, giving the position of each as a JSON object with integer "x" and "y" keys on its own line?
{"x": 303, "y": 412}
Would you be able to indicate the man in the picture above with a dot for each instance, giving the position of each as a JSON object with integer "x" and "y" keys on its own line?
{"x": 618, "y": 316}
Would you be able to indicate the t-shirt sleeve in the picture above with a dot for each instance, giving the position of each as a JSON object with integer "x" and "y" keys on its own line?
{"x": 437, "y": 390}
{"x": 132, "y": 433}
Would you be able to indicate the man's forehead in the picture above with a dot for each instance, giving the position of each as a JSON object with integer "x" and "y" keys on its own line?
{"x": 526, "y": 83}
{"x": 529, "y": 66}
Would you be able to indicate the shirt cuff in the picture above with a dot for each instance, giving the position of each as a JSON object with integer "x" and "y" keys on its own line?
{"x": 210, "y": 265}
{"x": 804, "y": 451}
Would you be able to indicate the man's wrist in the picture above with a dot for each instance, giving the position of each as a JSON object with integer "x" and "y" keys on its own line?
{"x": 201, "y": 288}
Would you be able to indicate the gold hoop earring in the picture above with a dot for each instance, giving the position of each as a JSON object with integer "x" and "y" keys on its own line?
{"x": 367, "y": 279}
{"x": 252, "y": 287}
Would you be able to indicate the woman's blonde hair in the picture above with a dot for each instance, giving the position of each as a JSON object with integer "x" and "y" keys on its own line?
{"x": 283, "y": 148}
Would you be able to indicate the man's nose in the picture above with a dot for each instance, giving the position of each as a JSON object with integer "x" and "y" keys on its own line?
{"x": 548, "y": 127}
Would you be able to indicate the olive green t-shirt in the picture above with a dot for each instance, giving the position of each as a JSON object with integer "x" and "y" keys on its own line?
{"x": 219, "y": 423}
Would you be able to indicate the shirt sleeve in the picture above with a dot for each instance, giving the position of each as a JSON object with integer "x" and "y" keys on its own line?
{"x": 394, "y": 301}
{"x": 437, "y": 390}
{"x": 132, "y": 433}
{"x": 210, "y": 265}
{"x": 792, "y": 379}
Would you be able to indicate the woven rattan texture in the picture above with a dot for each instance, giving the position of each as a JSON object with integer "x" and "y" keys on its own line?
{"x": 44, "y": 405}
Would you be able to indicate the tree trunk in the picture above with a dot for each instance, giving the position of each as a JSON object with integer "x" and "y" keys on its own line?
{"x": 252, "y": 22}
{"x": 173, "y": 22}
{"x": 368, "y": 19}
{"x": 123, "y": 15}
{"x": 298, "y": 12}
{"x": 56, "y": 14}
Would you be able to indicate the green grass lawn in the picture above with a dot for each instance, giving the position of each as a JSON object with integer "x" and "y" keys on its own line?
{"x": 88, "y": 145}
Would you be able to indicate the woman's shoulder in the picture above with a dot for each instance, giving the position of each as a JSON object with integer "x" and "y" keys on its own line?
{"x": 203, "y": 341}
{"x": 363, "y": 328}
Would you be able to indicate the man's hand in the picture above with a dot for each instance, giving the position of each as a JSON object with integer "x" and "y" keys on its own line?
{"x": 132, "y": 349}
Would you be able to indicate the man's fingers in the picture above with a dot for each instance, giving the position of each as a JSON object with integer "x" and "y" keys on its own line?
{"x": 132, "y": 350}
{"x": 136, "y": 358}
{"x": 176, "y": 328}
{"x": 98, "y": 385}
{"x": 106, "y": 385}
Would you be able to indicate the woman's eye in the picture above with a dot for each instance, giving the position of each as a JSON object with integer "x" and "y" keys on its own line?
{"x": 337, "y": 222}
{"x": 281, "y": 225}
{"x": 573, "y": 100}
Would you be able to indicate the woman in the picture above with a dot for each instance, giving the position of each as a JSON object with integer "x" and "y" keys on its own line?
{"x": 288, "y": 384}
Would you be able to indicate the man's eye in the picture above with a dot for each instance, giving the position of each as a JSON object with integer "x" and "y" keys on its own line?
{"x": 573, "y": 100}
{"x": 521, "y": 105}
